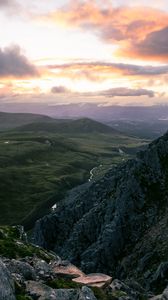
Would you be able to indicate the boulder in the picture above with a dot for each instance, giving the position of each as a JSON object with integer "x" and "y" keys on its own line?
{"x": 41, "y": 291}
{"x": 7, "y": 291}
{"x": 42, "y": 269}
{"x": 44, "y": 292}
{"x": 127, "y": 291}
{"x": 22, "y": 268}
{"x": 86, "y": 294}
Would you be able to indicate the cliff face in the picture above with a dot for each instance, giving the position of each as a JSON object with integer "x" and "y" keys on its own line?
{"x": 116, "y": 225}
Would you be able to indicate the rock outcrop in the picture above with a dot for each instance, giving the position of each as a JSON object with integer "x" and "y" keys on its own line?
{"x": 7, "y": 291}
{"x": 118, "y": 224}
{"x": 95, "y": 280}
{"x": 28, "y": 272}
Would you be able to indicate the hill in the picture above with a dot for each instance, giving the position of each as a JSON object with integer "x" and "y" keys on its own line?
{"x": 12, "y": 120}
{"x": 118, "y": 224}
{"x": 38, "y": 167}
{"x": 79, "y": 126}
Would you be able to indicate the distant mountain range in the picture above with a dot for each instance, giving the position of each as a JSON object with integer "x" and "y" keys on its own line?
{"x": 148, "y": 128}
{"x": 91, "y": 110}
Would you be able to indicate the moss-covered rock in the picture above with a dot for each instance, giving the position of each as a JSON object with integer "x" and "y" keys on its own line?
{"x": 13, "y": 246}
{"x": 61, "y": 283}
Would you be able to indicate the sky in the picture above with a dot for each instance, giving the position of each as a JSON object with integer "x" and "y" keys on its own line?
{"x": 105, "y": 51}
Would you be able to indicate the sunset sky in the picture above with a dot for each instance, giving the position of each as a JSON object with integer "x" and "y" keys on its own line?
{"x": 60, "y": 51}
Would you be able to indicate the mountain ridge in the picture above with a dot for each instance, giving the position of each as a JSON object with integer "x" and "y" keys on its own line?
{"x": 100, "y": 225}
{"x": 82, "y": 125}
{"x": 12, "y": 120}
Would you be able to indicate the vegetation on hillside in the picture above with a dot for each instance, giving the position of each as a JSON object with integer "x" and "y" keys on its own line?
{"x": 38, "y": 167}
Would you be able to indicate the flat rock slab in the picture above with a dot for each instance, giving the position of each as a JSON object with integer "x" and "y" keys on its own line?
{"x": 70, "y": 270}
{"x": 94, "y": 279}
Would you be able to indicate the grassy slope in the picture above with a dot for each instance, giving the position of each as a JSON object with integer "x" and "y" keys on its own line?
{"x": 12, "y": 120}
{"x": 83, "y": 125}
{"x": 37, "y": 168}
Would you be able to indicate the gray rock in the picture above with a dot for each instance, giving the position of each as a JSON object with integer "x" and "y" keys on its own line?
{"x": 159, "y": 279}
{"x": 165, "y": 294}
{"x": 22, "y": 268}
{"x": 42, "y": 269}
{"x": 123, "y": 291}
{"x": 161, "y": 272}
{"x": 86, "y": 294}
{"x": 158, "y": 297}
{"x": 7, "y": 291}
{"x": 43, "y": 292}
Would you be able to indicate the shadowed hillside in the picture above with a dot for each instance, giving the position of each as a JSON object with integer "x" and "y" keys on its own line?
{"x": 40, "y": 162}
{"x": 84, "y": 125}
{"x": 12, "y": 120}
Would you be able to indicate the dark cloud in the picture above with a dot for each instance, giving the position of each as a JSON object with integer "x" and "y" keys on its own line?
{"x": 126, "y": 69}
{"x": 155, "y": 44}
{"x": 142, "y": 70}
{"x": 4, "y": 3}
{"x": 59, "y": 90}
{"x": 10, "y": 6}
{"x": 14, "y": 64}
{"x": 113, "y": 92}
{"x": 125, "y": 92}
{"x": 14, "y": 8}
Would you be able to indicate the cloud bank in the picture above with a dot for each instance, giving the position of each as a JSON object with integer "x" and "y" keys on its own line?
{"x": 117, "y": 25}
{"x": 15, "y": 64}
{"x": 125, "y": 92}
{"x": 113, "y": 92}
{"x": 124, "y": 69}
{"x": 155, "y": 45}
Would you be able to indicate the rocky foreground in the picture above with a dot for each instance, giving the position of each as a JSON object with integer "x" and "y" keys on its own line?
{"x": 28, "y": 272}
{"x": 118, "y": 224}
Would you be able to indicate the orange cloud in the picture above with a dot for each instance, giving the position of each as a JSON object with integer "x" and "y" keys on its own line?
{"x": 154, "y": 46}
{"x": 122, "y": 25}
{"x": 99, "y": 71}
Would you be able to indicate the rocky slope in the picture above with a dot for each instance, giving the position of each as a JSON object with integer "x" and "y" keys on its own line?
{"x": 28, "y": 272}
{"x": 118, "y": 224}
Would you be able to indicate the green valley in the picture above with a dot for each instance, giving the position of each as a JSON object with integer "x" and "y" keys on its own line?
{"x": 40, "y": 162}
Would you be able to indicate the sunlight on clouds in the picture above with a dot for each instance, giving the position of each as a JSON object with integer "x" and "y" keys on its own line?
{"x": 84, "y": 46}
